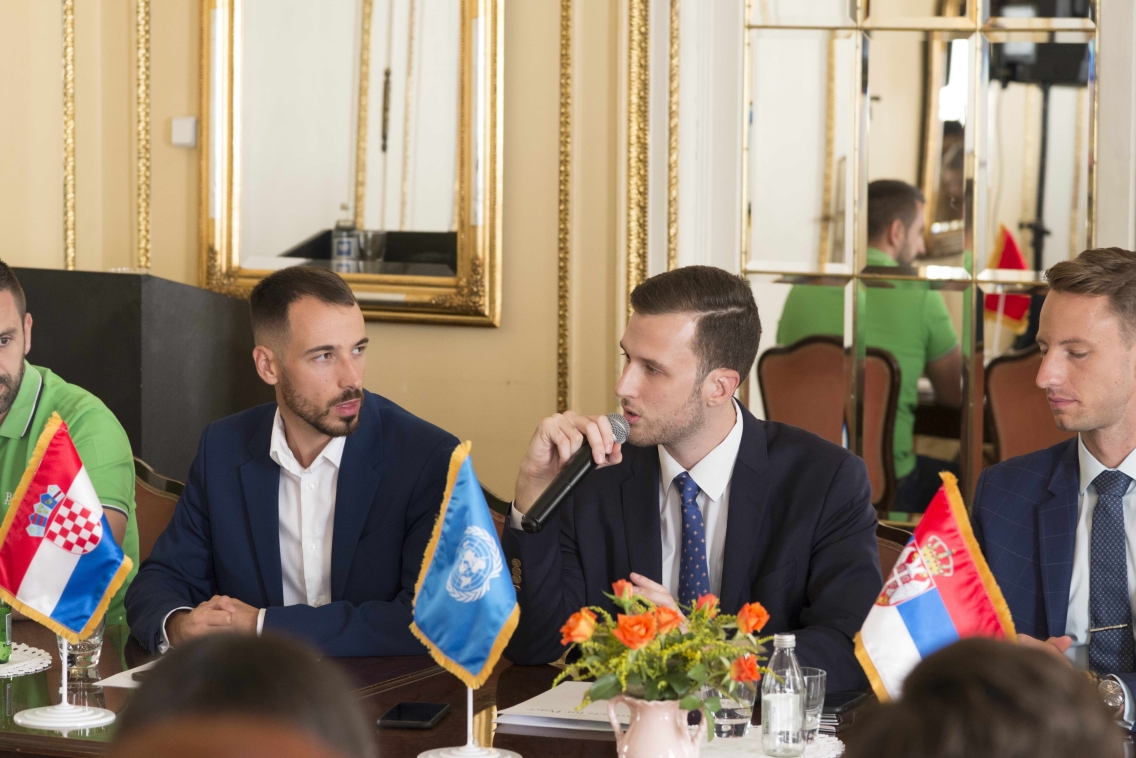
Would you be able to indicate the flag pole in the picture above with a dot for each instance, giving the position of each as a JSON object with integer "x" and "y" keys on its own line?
{"x": 469, "y": 718}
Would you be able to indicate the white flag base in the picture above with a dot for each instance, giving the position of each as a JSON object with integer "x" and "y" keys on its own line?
{"x": 64, "y": 717}
{"x": 470, "y": 749}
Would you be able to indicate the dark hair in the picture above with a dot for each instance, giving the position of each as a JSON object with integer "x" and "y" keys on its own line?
{"x": 729, "y": 328}
{"x": 268, "y": 677}
{"x": 1108, "y": 271}
{"x": 9, "y": 283}
{"x": 981, "y": 698}
{"x": 274, "y": 294}
{"x": 888, "y": 200}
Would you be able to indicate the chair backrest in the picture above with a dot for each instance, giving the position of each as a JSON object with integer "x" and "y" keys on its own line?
{"x": 1022, "y": 420}
{"x": 154, "y": 499}
{"x": 890, "y": 540}
{"x": 803, "y": 384}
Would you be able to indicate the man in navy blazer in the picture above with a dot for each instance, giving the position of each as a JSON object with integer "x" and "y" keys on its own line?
{"x": 704, "y": 498}
{"x": 307, "y": 516}
{"x": 1058, "y": 527}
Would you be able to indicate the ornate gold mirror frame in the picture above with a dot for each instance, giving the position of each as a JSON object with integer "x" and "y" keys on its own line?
{"x": 473, "y": 296}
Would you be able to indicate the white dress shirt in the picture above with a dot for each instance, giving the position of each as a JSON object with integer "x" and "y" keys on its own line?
{"x": 1077, "y": 622}
{"x": 712, "y": 474}
{"x": 306, "y": 498}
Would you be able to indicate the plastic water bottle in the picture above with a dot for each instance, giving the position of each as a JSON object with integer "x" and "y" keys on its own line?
{"x": 783, "y": 701}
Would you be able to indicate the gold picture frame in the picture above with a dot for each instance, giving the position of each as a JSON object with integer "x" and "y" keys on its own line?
{"x": 473, "y": 296}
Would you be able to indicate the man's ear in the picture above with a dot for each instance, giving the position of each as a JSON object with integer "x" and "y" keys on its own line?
{"x": 266, "y": 365}
{"x": 720, "y": 385}
{"x": 897, "y": 233}
{"x": 27, "y": 333}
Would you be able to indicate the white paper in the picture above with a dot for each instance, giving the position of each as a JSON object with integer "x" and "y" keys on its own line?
{"x": 126, "y": 678}
{"x": 557, "y": 708}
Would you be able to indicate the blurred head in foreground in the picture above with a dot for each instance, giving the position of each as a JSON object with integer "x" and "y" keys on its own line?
{"x": 245, "y": 680}
{"x": 221, "y": 737}
{"x": 980, "y": 698}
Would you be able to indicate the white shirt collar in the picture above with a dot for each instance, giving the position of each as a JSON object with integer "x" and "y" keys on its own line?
{"x": 280, "y": 452}
{"x": 712, "y": 474}
{"x": 1091, "y": 468}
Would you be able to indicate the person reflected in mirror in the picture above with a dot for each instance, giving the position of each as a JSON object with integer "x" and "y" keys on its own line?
{"x": 29, "y": 395}
{"x": 906, "y": 318}
{"x": 703, "y": 498}
{"x": 244, "y": 684}
{"x": 980, "y": 698}
{"x": 1058, "y": 526}
{"x": 309, "y": 515}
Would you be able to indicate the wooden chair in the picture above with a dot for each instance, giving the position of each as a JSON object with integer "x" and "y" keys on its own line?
{"x": 154, "y": 499}
{"x": 803, "y": 384}
{"x": 1020, "y": 417}
{"x": 890, "y": 540}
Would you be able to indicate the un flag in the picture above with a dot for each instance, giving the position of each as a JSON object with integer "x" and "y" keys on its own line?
{"x": 465, "y": 609}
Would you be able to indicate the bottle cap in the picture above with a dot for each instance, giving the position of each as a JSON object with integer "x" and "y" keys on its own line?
{"x": 785, "y": 640}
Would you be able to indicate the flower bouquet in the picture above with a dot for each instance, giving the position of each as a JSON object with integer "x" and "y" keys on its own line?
{"x": 655, "y": 653}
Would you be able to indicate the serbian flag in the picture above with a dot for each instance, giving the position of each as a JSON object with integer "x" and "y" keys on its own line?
{"x": 940, "y": 591}
{"x": 59, "y": 563}
{"x": 465, "y": 607}
{"x": 1015, "y": 308}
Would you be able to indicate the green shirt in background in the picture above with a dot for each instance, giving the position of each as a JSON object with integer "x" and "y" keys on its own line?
{"x": 909, "y": 320}
{"x": 101, "y": 441}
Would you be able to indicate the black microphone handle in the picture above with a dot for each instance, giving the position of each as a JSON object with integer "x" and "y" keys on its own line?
{"x": 578, "y": 466}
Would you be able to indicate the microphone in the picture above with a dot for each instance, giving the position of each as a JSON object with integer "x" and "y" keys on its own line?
{"x": 578, "y": 466}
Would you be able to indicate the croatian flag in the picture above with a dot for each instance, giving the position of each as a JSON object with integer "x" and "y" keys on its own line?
{"x": 940, "y": 591}
{"x": 59, "y": 563}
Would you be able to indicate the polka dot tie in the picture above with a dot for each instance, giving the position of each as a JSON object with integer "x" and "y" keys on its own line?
{"x": 694, "y": 577}
{"x": 1111, "y": 648}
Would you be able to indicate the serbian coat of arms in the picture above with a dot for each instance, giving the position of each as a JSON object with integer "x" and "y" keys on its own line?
{"x": 915, "y": 570}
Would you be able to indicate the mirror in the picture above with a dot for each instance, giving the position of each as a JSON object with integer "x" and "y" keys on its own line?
{"x": 361, "y": 135}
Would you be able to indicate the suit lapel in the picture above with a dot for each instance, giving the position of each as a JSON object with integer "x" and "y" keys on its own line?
{"x": 260, "y": 481}
{"x": 354, "y": 493}
{"x": 748, "y": 496}
{"x": 1057, "y": 531}
{"x": 642, "y": 530}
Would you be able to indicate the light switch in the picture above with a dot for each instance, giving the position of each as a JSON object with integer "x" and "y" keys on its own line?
{"x": 183, "y": 131}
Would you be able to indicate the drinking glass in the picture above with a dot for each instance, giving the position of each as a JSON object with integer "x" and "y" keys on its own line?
{"x": 733, "y": 718}
{"x": 83, "y": 657}
{"x": 814, "y": 699}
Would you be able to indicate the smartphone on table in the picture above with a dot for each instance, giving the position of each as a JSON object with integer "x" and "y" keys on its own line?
{"x": 414, "y": 715}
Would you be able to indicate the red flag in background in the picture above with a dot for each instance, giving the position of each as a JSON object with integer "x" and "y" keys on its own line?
{"x": 1015, "y": 309}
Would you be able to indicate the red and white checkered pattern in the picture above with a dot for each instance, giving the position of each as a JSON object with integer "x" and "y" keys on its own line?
{"x": 74, "y": 527}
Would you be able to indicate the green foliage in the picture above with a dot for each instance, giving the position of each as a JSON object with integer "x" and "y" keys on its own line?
{"x": 675, "y": 665}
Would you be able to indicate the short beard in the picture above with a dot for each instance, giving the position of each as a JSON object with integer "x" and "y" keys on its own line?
{"x": 324, "y": 419}
{"x": 676, "y": 429}
{"x": 10, "y": 388}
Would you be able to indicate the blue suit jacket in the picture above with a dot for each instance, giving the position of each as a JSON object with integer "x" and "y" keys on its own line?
{"x": 800, "y": 539}
{"x": 224, "y": 538}
{"x": 1025, "y": 520}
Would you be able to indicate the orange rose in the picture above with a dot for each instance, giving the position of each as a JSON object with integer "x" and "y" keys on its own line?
{"x": 623, "y": 589}
{"x": 580, "y": 627}
{"x": 635, "y": 631}
{"x": 752, "y": 617}
{"x": 668, "y": 619}
{"x": 745, "y": 669}
{"x": 708, "y": 603}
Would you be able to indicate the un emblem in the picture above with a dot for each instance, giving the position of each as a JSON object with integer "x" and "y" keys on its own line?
{"x": 477, "y": 561}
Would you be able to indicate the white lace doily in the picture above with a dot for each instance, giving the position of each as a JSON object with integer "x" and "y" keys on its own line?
{"x": 824, "y": 746}
{"x": 25, "y": 660}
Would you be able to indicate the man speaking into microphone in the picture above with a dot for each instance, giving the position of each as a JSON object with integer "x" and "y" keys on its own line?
{"x": 702, "y": 498}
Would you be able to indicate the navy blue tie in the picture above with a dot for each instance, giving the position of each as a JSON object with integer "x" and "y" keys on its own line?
{"x": 1111, "y": 646}
{"x": 694, "y": 576}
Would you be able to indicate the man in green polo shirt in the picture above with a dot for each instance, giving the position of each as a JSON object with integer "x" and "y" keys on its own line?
{"x": 906, "y": 318}
{"x": 28, "y": 396}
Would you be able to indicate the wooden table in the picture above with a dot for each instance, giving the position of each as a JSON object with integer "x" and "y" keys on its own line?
{"x": 379, "y": 684}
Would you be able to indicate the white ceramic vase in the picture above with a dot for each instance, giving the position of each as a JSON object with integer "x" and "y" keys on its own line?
{"x": 658, "y": 729}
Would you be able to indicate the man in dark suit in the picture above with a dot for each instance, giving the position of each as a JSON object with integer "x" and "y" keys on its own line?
{"x": 307, "y": 516}
{"x": 704, "y": 498}
{"x": 1058, "y": 526}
